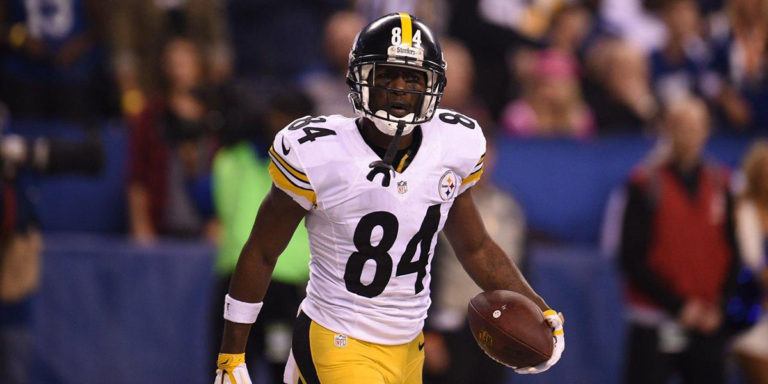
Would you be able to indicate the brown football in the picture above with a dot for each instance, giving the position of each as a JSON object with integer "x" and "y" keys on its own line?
{"x": 510, "y": 328}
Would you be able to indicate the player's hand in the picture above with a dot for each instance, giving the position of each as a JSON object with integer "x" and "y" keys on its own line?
{"x": 232, "y": 369}
{"x": 555, "y": 321}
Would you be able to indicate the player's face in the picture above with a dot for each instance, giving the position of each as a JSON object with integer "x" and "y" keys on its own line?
{"x": 397, "y": 90}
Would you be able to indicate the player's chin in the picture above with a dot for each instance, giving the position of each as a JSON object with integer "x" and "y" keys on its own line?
{"x": 398, "y": 112}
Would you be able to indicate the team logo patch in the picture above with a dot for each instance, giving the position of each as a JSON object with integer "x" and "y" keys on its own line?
{"x": 404, "y": 50}
{"x": 402, "y": 187}
{"x": 448, "y": 185}
{"x": 340, "y": 341}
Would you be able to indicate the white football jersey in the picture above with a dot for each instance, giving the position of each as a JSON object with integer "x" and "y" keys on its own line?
{"x": 371, "y": 245}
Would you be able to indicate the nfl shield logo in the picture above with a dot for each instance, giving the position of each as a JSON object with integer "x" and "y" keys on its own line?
{"x": 340, "y": 341}
{"x": 402, "y": 187}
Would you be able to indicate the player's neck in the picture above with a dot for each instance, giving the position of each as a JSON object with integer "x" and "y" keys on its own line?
{"x": 381, "y": 139}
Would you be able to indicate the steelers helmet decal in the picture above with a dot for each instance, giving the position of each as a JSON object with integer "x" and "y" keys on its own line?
{"x": 397, "y": 39}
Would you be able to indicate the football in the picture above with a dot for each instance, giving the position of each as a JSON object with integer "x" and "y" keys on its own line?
{"x": 510, "y": 328}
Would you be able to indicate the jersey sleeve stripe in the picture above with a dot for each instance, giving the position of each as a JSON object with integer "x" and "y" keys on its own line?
{"x": 482, "y": 158}
{"x": 287, "y": 185}
{"x": 288, "y": 176}
{"x": 295, "y": 172}
{"x": 478, "y": 167}
{"x": 473, "y": 177}
{"x": 480, "y": 164}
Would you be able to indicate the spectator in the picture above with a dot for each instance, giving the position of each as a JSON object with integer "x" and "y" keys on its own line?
{"x": 139, "y": 28}
{"x": 433, "y": 12}
{"x": 275, "y": 41}
{"x": 751, "y": 348}
{"x": 679, "y": 257}
{"x": 634, "y": 22}
{"x": 460, "y": 94}
{"x": 452, "y": 355}
{"x": 53, "y": 59}
{"x": 570, "y": 28}
{"x": 326, "y": 86}
{"x": 20, "y": 265}
{"x": 491, "y": 41}
{"x": 22, "y": 162}
{"x": 617, "y": 87}
{"x": 171, "y": 149}
{"x": 551, "y": 103}
{"x": 678, "y": 68}
{"x": 529, "y": 18}
{"x": 709, "y": 7}
{"x": 241, "y": 181}
{"x": 740, "y": 88}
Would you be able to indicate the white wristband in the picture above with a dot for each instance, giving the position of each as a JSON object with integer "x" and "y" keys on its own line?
{"x": 241, "y": 312}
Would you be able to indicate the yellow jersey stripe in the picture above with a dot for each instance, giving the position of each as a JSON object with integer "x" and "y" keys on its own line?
{"x": 405, "y": 22}
{"x": 402, "y": 163}
{"x": 550, "y": 312}
{"x": 296, "y": 173}
{"x": 478, "y": 170}
{"x": 482, "y": 158}
{"x": 287, "y": 185}
{"x": 473, "y": 177}
{"x": 558, "y": 332}
{"x": 291, "y": 179}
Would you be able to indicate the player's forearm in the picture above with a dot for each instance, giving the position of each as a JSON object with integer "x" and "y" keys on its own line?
{"x": 252, "y": 274}
{"x": 491, "y": 269}
{"x": 235, "y": 337}
{"x": 249, "y": 284}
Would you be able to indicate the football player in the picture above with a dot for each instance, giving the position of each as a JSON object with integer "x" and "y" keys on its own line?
{"x": 375, "y": 190}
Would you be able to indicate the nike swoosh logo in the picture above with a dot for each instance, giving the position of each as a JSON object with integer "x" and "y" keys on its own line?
{"x": 421, "y": 346}
{"x": 286, "y": 151}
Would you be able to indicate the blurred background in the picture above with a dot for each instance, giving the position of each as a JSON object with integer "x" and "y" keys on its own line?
{"x": 627, "y": 176}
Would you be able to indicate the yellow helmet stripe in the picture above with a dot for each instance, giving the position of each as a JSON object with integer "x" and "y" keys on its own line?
{"x": 405, "y": 22}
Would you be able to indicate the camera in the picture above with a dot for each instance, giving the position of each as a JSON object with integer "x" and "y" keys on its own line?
{"x": 47, "y": 155}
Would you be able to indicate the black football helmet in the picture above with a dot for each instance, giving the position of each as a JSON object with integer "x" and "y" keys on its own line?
{"x": 397, "y": 39}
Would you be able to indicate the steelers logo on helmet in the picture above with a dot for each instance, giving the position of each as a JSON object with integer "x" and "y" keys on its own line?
{"x": 396, "y": 73}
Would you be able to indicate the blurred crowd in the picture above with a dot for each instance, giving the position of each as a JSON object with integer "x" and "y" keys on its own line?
{"x": 530, "y": 68}
{"x": 203, "y": 85}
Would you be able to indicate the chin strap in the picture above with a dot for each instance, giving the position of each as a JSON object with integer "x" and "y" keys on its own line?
{"x": 385, "y": 166}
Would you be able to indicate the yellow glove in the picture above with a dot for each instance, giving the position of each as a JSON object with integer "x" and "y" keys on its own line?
{"x": 231, "y": 369}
